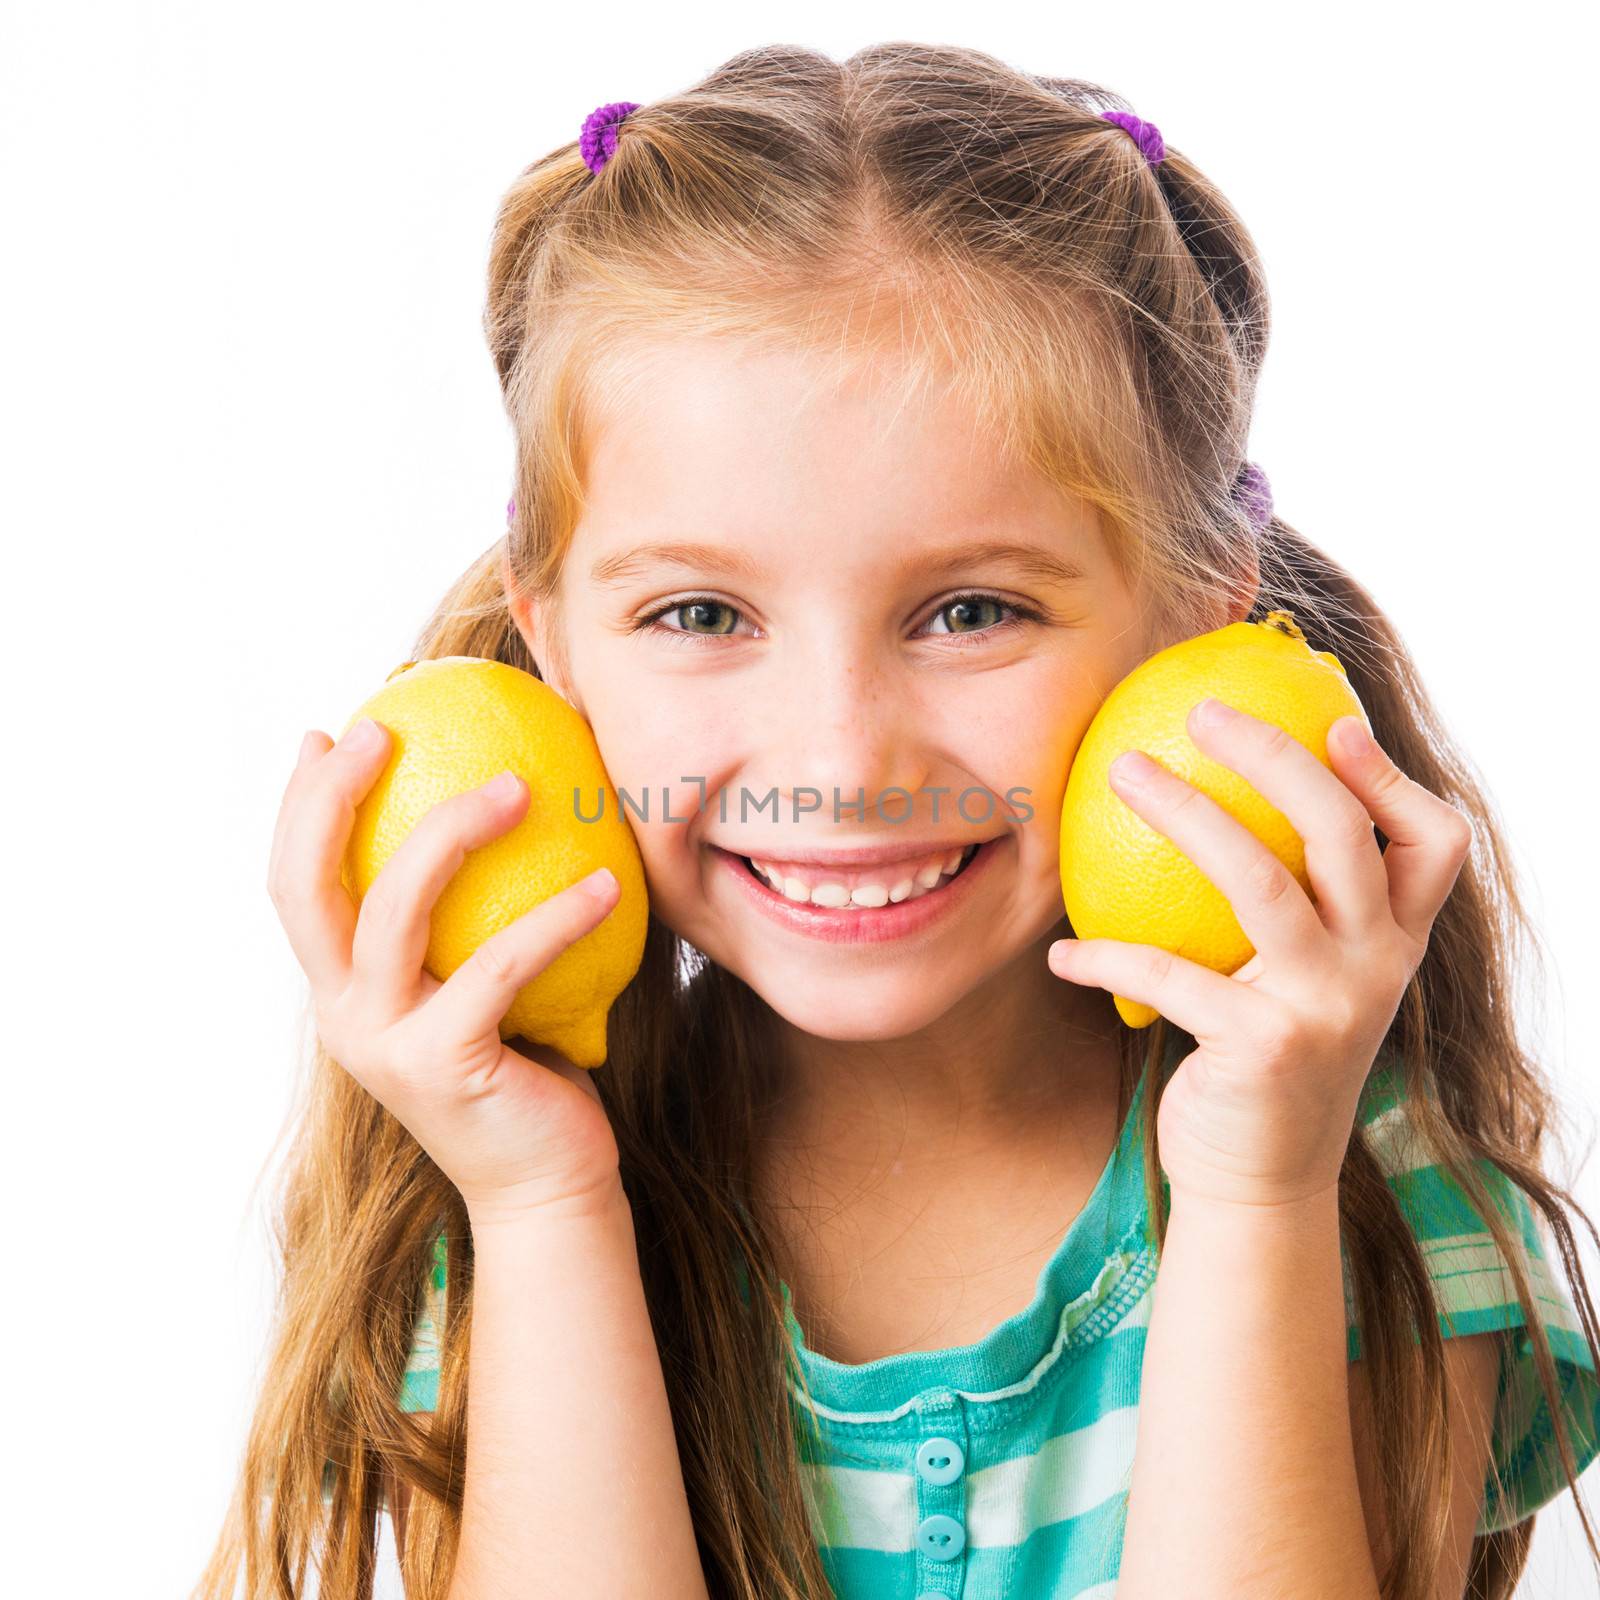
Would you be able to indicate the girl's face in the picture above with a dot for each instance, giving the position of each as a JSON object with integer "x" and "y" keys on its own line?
{"x": 779, "y": 590}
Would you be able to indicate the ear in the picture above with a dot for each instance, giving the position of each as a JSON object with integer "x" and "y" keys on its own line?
{"x": 534, "y": 621}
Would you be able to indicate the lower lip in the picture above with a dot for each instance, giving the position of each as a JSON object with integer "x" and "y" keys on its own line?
{"x": 871, "y": 924}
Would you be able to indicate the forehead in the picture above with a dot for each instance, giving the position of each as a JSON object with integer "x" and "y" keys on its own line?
{"x": 731, "y": 436}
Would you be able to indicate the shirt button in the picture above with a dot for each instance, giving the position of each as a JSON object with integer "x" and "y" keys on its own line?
{"x": 939, "y": 1461}
{"x": 941, "y": 1537}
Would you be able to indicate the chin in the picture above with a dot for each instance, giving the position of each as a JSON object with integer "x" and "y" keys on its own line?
{"x": 851, "y": 1008}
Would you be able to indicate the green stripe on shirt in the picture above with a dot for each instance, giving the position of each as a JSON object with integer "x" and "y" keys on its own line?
{"x": 1043, "y": 1409}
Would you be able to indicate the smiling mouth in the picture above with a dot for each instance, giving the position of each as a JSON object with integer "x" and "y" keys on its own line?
{"x": 915, "y": 891}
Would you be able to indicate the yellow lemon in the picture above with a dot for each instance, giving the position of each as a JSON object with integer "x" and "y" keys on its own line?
{"x": 1120, "y": 878}
{"x": 454, "y": 722}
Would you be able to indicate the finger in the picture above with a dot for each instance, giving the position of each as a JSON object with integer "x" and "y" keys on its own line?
{"x": 1272, "y": 908}
{"x": 1202, "y": 1002}
{"x": 476, "y": 996}
{"x": 313, "y": 830}
{"x": 1343, "y": 861}
{"x": 312, "y": 743}
{"x": 547, "y": 1055}
{"x": 392, "y": 930}
{"x": 1429, "y": 839}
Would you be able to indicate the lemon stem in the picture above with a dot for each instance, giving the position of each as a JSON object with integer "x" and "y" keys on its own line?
{"x": 1284, "y": 622}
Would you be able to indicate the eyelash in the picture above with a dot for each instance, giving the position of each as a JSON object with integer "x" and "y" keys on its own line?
{"x": 648, "y": 623}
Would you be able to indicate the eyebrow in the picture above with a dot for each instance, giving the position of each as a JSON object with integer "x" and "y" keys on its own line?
{"x": 1030, "y": 560}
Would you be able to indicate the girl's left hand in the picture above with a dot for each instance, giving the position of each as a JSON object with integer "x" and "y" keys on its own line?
{"x": 1260, "y": 1112}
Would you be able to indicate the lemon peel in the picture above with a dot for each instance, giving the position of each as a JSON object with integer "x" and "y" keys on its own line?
{"x": 454, "y": 723}
{"x": 1120, "y": 877}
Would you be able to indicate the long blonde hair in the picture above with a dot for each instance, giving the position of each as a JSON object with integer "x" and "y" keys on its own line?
{"x": 1108, "y": 320}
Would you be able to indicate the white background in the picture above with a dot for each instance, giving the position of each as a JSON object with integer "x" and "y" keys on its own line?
{"x": 252, "y": 433}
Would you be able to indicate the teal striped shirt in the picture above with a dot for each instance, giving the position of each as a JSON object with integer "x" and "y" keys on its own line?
{"x": 1002, "y": 1467}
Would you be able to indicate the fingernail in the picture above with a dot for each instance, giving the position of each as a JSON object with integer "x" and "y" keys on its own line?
{"x": 1133, "y": 766}
{"x": 1215, "y": 712}
{"x": 307, "y": 741}
{"x": 599, "y": 883}
{"x": 364, "y": 736}
{"x": 1354, "y": 739}
{"x": 503, "y": 786}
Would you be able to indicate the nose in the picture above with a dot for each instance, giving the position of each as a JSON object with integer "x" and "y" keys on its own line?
{"x": 849, "y": 723}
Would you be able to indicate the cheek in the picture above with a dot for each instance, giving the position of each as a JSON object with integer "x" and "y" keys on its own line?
{"x": 665, "y": 769}
{"x": 1030, "y": 752}
{"x": 650, "y": 740}
{"x": 1030, "y": 749}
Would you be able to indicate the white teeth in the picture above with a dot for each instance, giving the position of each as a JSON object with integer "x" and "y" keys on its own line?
{"x": 833, "y": 896}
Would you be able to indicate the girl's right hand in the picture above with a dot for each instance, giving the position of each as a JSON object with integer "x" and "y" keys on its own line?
{"x": 516, "y": 1133}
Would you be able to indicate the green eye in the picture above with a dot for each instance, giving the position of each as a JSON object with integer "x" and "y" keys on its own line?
{"x": 704, "y": 617}
{"x": 971, "y": 620}
{"x": 967, "y": 618}
{"x": 696, "y": 612}
{"x": 970, "y": 609}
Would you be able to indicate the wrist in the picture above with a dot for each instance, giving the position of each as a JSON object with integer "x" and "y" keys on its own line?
{"x": 602, "y": 1201}
{"x": 1287, "y": 1214}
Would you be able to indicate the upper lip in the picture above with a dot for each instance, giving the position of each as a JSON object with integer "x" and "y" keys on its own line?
{"x": 863, "y": 855}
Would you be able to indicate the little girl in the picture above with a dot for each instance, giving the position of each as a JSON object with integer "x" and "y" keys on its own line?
{"x": 872, "y": 421}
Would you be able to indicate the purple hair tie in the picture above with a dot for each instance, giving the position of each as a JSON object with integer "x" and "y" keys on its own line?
{"x": 1254, "y": 494}
{"x": 511, "y": 509}
{"x": 597, "y": 139}
{"x": 1145, "y": 134}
